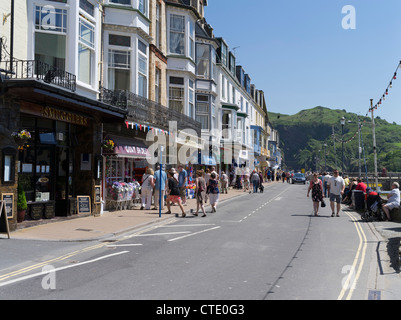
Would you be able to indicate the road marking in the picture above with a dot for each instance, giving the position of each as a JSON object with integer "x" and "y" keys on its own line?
{"x": 361, "y": 249}
{"x": 51, "y": 261}
{"x": 61, "y": 268}
{"x": 189, "y": 225}
{"x": 160, "y": 234}
{"x": 124, "y": 245}
{"x": 193, "y": 234}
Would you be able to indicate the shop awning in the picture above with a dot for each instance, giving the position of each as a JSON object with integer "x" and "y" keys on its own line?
{"x": 125, "y": 147}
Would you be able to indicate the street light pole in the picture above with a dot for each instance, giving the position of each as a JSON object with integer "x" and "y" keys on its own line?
{"x": 374, "y": 144}
{"x": 342, "y": 144}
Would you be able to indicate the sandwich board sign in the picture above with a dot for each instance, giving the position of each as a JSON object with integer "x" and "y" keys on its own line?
{"x": 4, "y": 228}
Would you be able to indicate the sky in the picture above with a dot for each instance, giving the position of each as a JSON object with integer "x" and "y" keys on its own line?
{"x": 300, "y": 55}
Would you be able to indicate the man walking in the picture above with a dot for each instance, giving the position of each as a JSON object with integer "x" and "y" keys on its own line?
{"x": 182, "y": 183}
{"x": 335, "y": 187}
{"x": 159, "y": 180}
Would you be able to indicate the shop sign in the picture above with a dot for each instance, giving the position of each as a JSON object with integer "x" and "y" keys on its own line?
{"x": 54, "y": 114}
{"x": 131, "y": 151}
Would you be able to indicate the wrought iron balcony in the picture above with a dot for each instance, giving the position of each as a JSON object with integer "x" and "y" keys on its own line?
{"x": 38, "y": 70}
{"x": 148, "y": 112}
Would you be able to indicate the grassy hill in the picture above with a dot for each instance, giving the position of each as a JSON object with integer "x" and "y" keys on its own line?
{"x": 303, "y": 137}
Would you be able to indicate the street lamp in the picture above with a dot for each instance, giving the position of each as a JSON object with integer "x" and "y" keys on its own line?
{"x": 325, "y": 154}
{"x": 342, "y": 143}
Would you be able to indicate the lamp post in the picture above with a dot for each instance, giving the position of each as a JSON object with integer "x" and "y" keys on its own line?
{"x": 325, "y": 154}
{"x": 342, "y": 143}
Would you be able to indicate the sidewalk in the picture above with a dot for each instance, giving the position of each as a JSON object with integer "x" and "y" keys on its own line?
{"x": 109, "y": 224}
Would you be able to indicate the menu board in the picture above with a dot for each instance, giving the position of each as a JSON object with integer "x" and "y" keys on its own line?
{"x": 83, "y": 204}
{"x": 98, "y": 194}
{"x": 8, "y": 199}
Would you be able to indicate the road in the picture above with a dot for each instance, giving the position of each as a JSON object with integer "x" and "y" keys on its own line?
{"x": 256, "y": 247}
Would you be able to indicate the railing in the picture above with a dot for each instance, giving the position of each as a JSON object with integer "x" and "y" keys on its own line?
{"x": 38, "y": 70}
{"x": 147, "y": 111}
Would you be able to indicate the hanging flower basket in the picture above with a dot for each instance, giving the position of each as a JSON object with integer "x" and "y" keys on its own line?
{"x": 21, "y": 138}
{"x": 108, "y": 145}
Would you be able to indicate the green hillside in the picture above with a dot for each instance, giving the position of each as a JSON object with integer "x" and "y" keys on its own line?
{"x": 304, "y": 135}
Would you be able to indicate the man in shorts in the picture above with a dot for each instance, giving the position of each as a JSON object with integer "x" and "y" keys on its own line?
{"x": 335, "y": 186}
{"x": 182, "y": 183}
{"x": 393, "y": 201}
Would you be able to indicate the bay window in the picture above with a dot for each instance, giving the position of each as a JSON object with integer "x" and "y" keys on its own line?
{"x": 203, "y": 110}
{"x": 191, "y": 107}
{"x": 50, "y": 35}
{"x": 176, "y": 94}
{"x": 86, "y": 50}
{"x": 119, "y": 70}
{"x": 177, "y": 34}
{"x": 142, "y": 69}
{"x": 202, "y": 63}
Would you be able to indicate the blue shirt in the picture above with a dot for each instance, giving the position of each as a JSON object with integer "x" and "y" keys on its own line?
{"x": 182, "y": 178}
{"x": 157, "y": 178}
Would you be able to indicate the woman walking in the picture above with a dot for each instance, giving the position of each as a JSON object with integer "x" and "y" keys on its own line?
{"x": 148, "y": 183}
{"x": 173, "y": 193}
{"x": 213, "y": 191}
{"x": 317, "y": 193}
{"x": 200, "y": 192}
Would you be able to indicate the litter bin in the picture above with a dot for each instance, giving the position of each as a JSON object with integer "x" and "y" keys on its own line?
{"x": 358, "y": 200}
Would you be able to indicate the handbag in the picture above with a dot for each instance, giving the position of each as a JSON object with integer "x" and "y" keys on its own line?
{"x": 323, "y": 204}
{"x": 140, "y": 188}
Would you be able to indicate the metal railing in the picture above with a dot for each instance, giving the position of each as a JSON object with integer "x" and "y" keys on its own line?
{"x": 146, "y": 111}
{"x": 38, "y": 70}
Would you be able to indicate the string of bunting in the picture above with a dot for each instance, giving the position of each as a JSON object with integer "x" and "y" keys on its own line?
{"x": 386, "y": 92}
{"x": 353, "y": 136}
{"x": 144, "y": 128}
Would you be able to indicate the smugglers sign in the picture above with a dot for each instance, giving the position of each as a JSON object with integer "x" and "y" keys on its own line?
{"x": 54, "y": 114}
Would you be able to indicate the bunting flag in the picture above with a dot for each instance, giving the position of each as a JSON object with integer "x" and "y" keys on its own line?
{"x": 145, "y": 127}
{"x": 353, "y": 136}
{"x": 385, "y": 94}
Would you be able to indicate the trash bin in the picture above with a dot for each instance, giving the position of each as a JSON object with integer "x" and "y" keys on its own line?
{"x": 358, "y": 200}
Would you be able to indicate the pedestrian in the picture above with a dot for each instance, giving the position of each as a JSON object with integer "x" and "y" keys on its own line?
{"x": 317, "y": 193}
{"x": 326, "y": 178}
{"x": 223, "y": 182}
{"x": 148, "y": 183}
{"x": 246, "y": 180}
{"x": 283, "y": 175}
{"x": 336, "y": 188}
{"x": 173, "y": 192}
{"x": 255, "y": 181}
{"x": 200, "y": 192}
{"x": 269, "y": 175}
{"x": 182, "y": 183}
{"x": 159, "y": 181}
{"x": 393, "y": 201}
{"x": 213, "y": 191}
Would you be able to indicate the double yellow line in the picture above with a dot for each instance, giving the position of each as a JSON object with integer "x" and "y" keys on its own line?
{"x": 48, "y": 262}
{"x": 360, "y": 256}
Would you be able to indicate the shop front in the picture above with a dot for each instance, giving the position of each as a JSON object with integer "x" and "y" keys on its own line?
{"x": 46, "y": 162}
{"x": 125, "y": 164}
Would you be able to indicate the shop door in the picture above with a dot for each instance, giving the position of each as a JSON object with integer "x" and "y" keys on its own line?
{"x": 64, "y": 186}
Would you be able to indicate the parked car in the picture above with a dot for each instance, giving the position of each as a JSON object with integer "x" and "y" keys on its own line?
{"x": 299, "y": 178}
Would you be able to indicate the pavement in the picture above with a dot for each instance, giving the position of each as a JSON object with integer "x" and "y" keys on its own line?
{"x": 109, "y": 224}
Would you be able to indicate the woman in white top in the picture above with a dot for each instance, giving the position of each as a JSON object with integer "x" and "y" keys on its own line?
{"x": 393, "y": 201}
{"x": 148, "y": 183}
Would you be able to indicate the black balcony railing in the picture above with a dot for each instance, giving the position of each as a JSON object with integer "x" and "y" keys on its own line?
{"x": 147, "y": 111}
{"x": 38, "y": 70}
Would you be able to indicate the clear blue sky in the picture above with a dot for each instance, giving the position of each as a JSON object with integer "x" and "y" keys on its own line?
{"x": 298, "y": 53}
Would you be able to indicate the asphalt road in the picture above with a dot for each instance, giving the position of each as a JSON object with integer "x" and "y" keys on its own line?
{"x": 256, "y": 247}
